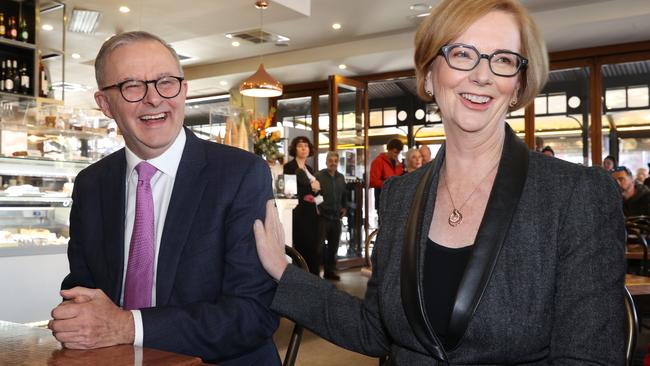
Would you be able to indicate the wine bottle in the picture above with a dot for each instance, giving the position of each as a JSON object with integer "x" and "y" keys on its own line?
{"x": 24, "y": 79}
{"x": 3, "y": 28}
{"x": 13, "y": 28}
{"x": 9, "y": 79}
{"x": 3, "y": 75}
{"x": 24, "y": 31}
{"x": 16, "y": 76}
{"x": 42, "y": 90}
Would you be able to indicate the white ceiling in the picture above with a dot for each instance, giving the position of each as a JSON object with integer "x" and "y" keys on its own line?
{"x": 376, "y": 35}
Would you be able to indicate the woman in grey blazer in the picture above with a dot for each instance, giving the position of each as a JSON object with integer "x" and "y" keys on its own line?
{"x": 503, "y": 256}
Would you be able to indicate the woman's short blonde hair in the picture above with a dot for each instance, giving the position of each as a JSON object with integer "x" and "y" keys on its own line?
{"x": 450, "y": 18}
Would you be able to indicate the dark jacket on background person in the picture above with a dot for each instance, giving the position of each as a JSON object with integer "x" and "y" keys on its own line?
{"x": 543, "y": 285}
{"x": 333, "y": 190}
{"x": 639, "y": 204}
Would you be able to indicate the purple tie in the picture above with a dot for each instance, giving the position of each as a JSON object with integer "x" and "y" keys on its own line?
{"x": 139, "y": 273}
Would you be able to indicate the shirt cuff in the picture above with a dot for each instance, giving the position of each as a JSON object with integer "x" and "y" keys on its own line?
{"x": 139, "y": 331}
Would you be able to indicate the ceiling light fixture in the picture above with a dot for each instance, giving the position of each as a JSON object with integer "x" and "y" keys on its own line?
{"x": 47, "y": 27}
{"x": 261, "y": 84}
{"x": 223, "y": 83}
{"x": 235, "y": 44}
{"x": 84, "y": 21}
{"x": 124, "y": 9}
{"x": 343, "y": 66}
{"x": 336, "y": 26}
{"x": 76, "y": 56}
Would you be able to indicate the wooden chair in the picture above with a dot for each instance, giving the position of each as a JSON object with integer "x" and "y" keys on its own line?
{"x": 637, "y": 234}
{"x": 367, "y": 267}
{"x": 631, "y": 328}
{"x": 296, "y": 335}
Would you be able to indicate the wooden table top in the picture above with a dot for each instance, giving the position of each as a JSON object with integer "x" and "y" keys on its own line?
{"x": 23, "y": 345}
{"x": 637, "y": 285}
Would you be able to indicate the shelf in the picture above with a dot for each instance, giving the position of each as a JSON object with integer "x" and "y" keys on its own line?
{"x": 65, "y": 201}
{"x": 21, "y": 44}
{"x": 20, "y": 251}
{"x": 39, "y": 130}
{"x": 13, "y": 97}
{"x": 35, "y": 167}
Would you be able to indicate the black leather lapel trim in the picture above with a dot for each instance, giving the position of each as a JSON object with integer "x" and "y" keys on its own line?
{"x": 502, "y": 204}
{"x": 410, "y": 278}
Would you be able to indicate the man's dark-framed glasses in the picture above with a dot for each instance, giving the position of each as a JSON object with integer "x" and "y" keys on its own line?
{"x": 135, "y": 90}
{"x": 464, "y": 57}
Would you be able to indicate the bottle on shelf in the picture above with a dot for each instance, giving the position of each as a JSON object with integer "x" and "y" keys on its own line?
{"x": 16, "y": 76}
{"x": 3, "y": 75}
{"x": 24, "y": 79}
{"x": 12, "y": 30}
{"x": 42, "y": 89}
{"x": 3, "y": 28}
{"x": 9, "y": 78}
{"x": 23, "y": 30}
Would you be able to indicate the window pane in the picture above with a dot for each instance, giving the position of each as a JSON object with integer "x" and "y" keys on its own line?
{"x": 375, "y": 118}
{"x": 557, "y": 103}
{"x": 540, "y": 105}
{"x": 390, "y": 117}
{"x": 615, "y": 98}
{"x": 637, "y": 96}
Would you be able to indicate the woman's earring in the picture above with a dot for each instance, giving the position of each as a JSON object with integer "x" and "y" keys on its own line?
{"x": 429, "y": 93}
{"x": 513, "y": 103}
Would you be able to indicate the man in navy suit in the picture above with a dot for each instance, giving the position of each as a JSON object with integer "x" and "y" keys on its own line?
{"x": 166, "y": 261}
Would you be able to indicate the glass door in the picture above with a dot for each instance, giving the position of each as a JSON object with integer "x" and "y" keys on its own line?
{"x": 348, "y": 135}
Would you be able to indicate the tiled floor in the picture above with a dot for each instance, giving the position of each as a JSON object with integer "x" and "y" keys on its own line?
{"x": 315, "y": 351}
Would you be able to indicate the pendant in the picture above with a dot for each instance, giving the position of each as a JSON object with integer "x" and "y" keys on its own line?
{"x": 455, "y": 218}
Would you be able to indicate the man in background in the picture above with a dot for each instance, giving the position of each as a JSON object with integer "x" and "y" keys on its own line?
{"x": 426, "y": 154}
{"x": 334, "y": 206}
{"x": 636, "y": 197}
{"x": 385, "y": 166}
{"x": 161, "y": 250}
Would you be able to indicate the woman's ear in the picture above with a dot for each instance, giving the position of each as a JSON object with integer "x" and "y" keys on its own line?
{"x": 428, "y": 83}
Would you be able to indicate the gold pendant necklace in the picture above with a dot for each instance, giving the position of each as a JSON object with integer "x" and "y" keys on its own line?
{"x": 456, "y": 217}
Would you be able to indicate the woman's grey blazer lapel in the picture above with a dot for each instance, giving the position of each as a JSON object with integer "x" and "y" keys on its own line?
{"x": 501, "y": 206}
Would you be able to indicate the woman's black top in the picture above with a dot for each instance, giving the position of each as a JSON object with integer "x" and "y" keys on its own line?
{"x": 443, "y": 271}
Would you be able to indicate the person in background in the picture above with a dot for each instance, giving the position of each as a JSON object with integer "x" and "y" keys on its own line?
{"x": 641, "y": 175}
{"x": 426, "y": 154}
{"x": 548, "y": 151}
{"x": 492, "y": 254}
{"x": 385, "y": 166}
{"x": 333, "y": 208}
{"x": 636, "y": 196}
{"x": 609, "y": 163}
{"x": 539, "y": 143}
{"x": 306, "y": 238}
{"x": 413, "y": 160}
{"x": 161, "y": 250}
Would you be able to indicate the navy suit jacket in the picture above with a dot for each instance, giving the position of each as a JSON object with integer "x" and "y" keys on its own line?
{"x": 212, "y": 293}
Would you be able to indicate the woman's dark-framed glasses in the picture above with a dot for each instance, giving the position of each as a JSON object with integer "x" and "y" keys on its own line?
{"x": 135, "y": 90}
{"x": 464, "y": 57}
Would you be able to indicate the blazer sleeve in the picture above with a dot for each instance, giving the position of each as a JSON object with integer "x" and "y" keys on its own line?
{"x": 589, "y": 304}
{"x": 335, "y": 315}
{"x": 239, "y": 321}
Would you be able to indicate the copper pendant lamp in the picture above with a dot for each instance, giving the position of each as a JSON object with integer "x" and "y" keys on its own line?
{"x": 261, "y": 84}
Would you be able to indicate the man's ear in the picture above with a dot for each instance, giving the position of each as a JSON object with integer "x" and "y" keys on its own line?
{"x": 103, "y": 103}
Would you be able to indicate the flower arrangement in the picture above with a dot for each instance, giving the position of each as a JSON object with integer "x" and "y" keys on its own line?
{"x": 265, "y": 143}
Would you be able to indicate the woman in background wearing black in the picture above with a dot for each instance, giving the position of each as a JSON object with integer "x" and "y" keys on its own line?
{"x": 305, "y": 216}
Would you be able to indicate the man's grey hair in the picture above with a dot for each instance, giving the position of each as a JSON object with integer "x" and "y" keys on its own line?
{"x": 332, "y": 153}
{"x": 124, "y": 39}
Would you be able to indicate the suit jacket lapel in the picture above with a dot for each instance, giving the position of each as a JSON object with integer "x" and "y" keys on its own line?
{"x": 186, "y": 196}
{"x": 502, "y": 204}
{"x": 113, "y": 199}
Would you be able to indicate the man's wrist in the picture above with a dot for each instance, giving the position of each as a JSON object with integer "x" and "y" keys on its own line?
{"x": 128, "y": 329}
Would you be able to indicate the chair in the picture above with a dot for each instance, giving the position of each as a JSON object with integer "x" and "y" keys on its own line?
{"x": 631, "y": 327}
{"x": 366, "y": 271}
{"x": 637, "y": 233}
{"x": 296, "y": 335}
